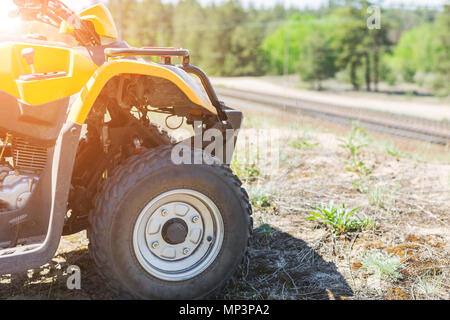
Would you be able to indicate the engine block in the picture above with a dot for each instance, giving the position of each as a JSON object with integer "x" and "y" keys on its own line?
{"x": 15, "y": 188}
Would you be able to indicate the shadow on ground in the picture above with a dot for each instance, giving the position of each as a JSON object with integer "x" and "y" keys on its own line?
{"x": 279, "y": 266}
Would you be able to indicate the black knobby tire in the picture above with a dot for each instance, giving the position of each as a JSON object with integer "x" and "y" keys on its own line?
{"x": 126, "y": 193}
{"x": 160, "y": 136}
{"x": 80, "y": 200}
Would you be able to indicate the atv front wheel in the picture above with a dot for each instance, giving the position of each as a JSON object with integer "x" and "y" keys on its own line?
{"x": 166, "y": 231}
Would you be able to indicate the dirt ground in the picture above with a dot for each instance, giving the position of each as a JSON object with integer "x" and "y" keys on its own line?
{"x": 406, "y": 195}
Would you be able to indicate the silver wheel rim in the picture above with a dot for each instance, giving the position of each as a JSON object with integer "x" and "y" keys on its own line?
{"x": 202, "y": 223}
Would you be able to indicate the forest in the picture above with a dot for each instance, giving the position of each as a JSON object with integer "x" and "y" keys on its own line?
{"x": 411, "y": 45}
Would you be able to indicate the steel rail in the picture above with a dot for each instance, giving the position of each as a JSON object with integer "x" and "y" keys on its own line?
{"x": 433, "y": 131}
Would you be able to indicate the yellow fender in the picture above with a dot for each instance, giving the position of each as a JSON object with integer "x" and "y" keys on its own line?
{"x": 82, "y": 106}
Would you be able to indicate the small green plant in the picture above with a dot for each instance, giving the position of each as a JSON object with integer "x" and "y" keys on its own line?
{"x": 381, "y": 196}
{"x": 266, "y": 230}
{"x": 340, "y": 218}
{"x": 355, "y": 142}
{"x": 359, "y": 167}
{"x": 246, "y": 172}
{"x": 382, "y": 265}
{"x": 361, "y": 185}
{"x": 351, "y": 146}
{"x": 391, "y": 149}
{"x": 303, "y": 144}
{"x": 260, "y": 196}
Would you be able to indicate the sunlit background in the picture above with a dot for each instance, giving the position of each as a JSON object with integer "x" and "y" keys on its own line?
{"x": 7, "y": 24}
{"x": 273, "y": 38}
{"x": 10, "y": 25}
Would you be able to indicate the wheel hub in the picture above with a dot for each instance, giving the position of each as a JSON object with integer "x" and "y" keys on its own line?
{"x": 175, "y": 231}
{"x": 178, "y": 235}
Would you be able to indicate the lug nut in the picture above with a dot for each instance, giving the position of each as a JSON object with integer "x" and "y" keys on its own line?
{"x": 164, "y": 212}
{"x": 186, "y": 251}
{"x": 155, "y": 244}
{"x": 195, "y": 219}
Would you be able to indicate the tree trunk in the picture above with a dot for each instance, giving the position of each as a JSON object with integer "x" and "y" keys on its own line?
{"x": 319, "y": 85}
{"x": 367, "y": 58}
{"x": 353, "y": 79}
{"x": 376, "y": 68}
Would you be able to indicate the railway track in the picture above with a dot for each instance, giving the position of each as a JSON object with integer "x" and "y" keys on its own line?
{"x": 433, "y": 131}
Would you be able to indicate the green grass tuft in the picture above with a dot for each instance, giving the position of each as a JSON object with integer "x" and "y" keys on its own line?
{"x": 384, "y": 266}
{"x": 303, "y": 144}
{"x": 340, "y": 218}
{"x": 260, "y": 196}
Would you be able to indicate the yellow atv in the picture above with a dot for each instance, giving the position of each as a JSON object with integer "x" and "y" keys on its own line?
{"x": 79, "y": 150}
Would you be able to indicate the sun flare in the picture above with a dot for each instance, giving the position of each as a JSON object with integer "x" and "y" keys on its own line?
{"x": 7, "y": 25}
{"x": 11, "y": 25}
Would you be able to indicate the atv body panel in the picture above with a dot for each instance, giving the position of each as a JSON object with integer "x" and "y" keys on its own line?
{"x": 59, "y": 72}
{"x": 114, "y": 68}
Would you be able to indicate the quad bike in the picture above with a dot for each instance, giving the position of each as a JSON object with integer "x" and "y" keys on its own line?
{"x": 79, "y": 149}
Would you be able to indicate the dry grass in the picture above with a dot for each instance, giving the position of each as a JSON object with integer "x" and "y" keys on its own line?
{"x": 293, "y": 258}
{"x": 409, "y": 199}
